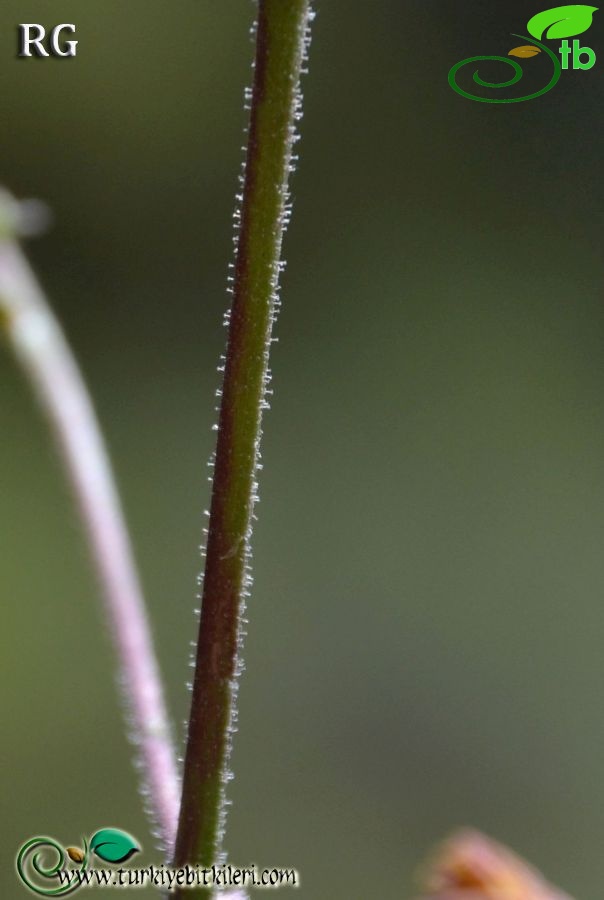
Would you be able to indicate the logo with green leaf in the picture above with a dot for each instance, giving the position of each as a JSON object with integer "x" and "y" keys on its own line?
{"x": 43, "y": 860}
{"x": 559, "y": 23}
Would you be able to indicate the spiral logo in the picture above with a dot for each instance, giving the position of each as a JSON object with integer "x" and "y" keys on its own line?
{"x": 497, "y": 85}
{"x": 36, "y": 868}
{"x": 48, "y": 869}
{"x": 560, "y": 22}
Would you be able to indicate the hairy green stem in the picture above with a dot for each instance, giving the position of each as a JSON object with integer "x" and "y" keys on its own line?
{"x": 281, "y": 39}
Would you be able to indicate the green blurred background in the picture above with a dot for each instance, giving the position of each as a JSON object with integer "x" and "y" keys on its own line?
{"x": 426, "y": 624}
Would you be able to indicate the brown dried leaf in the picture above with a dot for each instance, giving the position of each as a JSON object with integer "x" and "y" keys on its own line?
{"x": 525, "y": 52}
{"x": 470, "y": 866}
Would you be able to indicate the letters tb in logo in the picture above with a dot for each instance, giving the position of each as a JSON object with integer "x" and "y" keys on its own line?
{"x": 577, "y": 52}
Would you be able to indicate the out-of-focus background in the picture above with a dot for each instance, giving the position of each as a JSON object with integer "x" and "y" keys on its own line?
{"x": 427, "y": 621}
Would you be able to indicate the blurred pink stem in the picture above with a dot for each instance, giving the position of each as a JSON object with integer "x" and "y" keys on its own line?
{"x": 42, "y": 349}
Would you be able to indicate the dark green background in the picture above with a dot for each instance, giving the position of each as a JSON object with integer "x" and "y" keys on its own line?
{"x": 426, "y": 623}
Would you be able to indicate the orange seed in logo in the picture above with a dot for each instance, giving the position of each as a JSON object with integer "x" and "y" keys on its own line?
{"x": 525, "y": 52}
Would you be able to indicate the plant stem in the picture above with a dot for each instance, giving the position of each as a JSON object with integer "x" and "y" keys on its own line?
{"x": 42, "y": 350}
{"x": 281, "y": 39}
